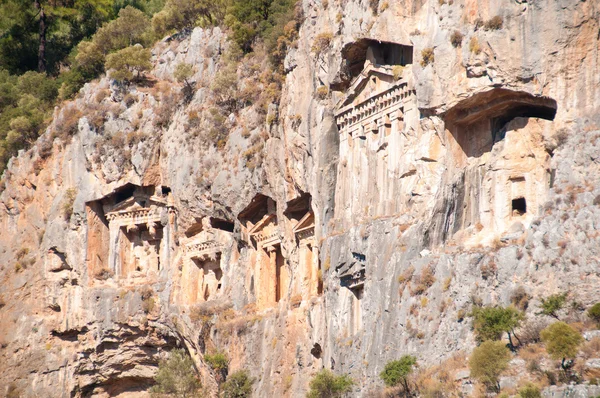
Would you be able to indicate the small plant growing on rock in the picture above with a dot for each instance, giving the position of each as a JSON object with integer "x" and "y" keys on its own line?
{"x": 494, "y": 23}
{"x": 238, "y": 385}
{"x": 69, "y": 200}
{"x": 219, "y": 363}
{"x": 176, "y": 376}
{"x": 322, "y": 92}
{"x": 325, "y": 384}
{"x": 552, "y": 304}
{"x": 474, "y": 46}
{"x": 594, "y": 312}
{"x": 456, "y": 38}
{"x": 530, "y": 390}
{"x": 488, "y": 361}
{"x": 562, "y": 342}
{"x": 396, "y": 373}
{"x": 427, "y": 56}
{"x": 322, "y": 42}
{"x": 397, "y": 71}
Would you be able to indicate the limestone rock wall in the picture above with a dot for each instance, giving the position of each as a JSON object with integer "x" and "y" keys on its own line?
{"x": 351, "y": 242}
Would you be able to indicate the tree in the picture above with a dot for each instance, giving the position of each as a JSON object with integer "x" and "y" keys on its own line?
{"x": 396, "y": 372}
{"x": 325, "y": 384}
{"x": 183, "y": 71}
{"x": 238, "y": 385}
{"x": 488, "y": 361}
{"x": 562, "y": 342}
{"x": 125, "y": 62}
{"x": 552, "y": 304}
{"x": 176, "y": 376}
{"x": 491, "y": 322}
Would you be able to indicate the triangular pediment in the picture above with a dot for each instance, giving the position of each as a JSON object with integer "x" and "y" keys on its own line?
{"x": 370, "y": 82}
{"x": 263, "y": 223}
{"x": 306, "y": 222}
{"x": 135, "y": 203}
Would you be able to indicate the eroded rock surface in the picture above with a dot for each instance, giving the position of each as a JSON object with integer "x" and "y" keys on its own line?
{"x": 303, "y": 244}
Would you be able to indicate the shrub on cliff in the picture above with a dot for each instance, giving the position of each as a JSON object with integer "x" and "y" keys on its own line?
{"x": 326, "y": 384}
{"x": 562, "y": 342}
{"x": 530, "y": 390}
{"x": 219, "y": 363}
{"x": 176, "y": 377}
{"x": 594, "y": 312}
{"x": 396, "y": 372}
{"x": 490, "y": 322}
{"x": 427, "y": 56}
{"x": 238, "y": 385}
{"x": 488, "y": 361}
{"x": 552, "y": 304}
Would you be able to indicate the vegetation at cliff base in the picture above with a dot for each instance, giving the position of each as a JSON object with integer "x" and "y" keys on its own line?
{"x": 176, "y": 377}
{"x": 325, "y": 384}
{"x": 396, "y": 372}
{"x": 488, "y": 361}
{"x": 562, "y": 342}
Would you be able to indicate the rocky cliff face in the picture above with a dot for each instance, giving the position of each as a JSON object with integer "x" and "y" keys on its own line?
{"x": 407, "y": 171}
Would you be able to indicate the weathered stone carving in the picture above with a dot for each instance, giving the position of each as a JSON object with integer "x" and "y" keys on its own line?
{"x": 352, "y": 276}
{"x": 135, "y": 223}
{"x": 260, "y": 226}
{"x": 304, "y": 230}
{"x": 202, "y": 270}
{"x": 377, "y": 112}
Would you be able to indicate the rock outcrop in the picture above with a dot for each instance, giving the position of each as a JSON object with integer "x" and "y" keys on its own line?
{"x": 401, "y": 177}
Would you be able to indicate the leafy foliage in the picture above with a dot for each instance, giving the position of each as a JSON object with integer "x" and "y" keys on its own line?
{"x": 27, "y": 97}
{"x": 176, "y": 376}
{"x": 238, "y": 385}
{"x": 491, "y": 322}
{"x": 124, "y": 63}
{"x": 552, "y": 304}
{"x": 396, "y": 372}
{"x": 488, "y": 361}
{"x": 562, "y": 341}
{"x": 325, "y": 384}
{"x": 594, "y": 312}
{"x": 530, "y": 390}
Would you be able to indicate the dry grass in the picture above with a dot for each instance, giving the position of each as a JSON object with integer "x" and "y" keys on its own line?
{"x": 474, "y": 46}
{"x": 427, "y": 56}
{"x": 456, "y": 38}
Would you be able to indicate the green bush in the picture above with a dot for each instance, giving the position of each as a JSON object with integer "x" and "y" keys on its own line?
{"x": 594, "y": 312}
{"x": 325, "y": 384}
{"x": 562, "y": 341}
{"x": 530, "y": 390}
{"x": 488, "y": 361}
{"x": 219, "y": 363}
{"x": 552, "y": 304}
{"x": 490, "y": 322}
{"x": 396, "y": 372}
{"x": 238, "y": 385}
{"x": 124, "y": 63}
{"x": 176, "y": 376}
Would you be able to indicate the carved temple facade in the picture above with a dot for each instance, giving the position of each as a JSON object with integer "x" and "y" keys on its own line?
{"x": 204, "y": 263}
{"x": 129, "y": 233}
{"x": 377, "y": 112}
